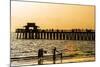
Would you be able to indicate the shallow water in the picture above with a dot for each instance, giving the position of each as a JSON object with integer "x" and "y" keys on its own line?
{"x": 29, "y": 47}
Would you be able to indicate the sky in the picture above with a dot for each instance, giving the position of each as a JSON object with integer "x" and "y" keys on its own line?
{"x": 56, "y": 16}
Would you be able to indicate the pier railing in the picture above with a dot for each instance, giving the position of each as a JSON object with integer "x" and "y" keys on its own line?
{"x": 54, "y": 35}
{"x": 32, "y": 32}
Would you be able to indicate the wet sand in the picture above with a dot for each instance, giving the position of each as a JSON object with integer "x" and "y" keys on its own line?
{"x": 24, "y": 52}
{"x": 31, "y": 61}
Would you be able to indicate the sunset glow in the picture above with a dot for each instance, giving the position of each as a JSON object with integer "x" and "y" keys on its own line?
{"x": 56, "y": 16}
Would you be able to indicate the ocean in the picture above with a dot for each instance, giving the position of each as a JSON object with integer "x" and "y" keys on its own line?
{"x": 29, "y": 47}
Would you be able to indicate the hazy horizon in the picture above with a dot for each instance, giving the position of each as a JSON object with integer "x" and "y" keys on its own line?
{"x": 56, "y": 16}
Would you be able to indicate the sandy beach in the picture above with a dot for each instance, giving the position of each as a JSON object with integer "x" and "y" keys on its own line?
{"x": 65, "y": 60}
{"x": 24, "y": 52}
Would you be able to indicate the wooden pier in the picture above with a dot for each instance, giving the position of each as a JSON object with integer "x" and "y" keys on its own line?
{"x": 31, "y": 31}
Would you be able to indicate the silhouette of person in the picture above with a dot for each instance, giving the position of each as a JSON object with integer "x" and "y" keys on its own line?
{"x": 40, "y": 56}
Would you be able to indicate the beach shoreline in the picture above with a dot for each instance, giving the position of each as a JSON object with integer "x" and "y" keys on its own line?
{"x": 31, "y": 61}
{"x": 65, "y": 60}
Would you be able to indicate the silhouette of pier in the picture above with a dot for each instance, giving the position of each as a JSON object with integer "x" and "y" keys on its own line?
{"x": 31, "y": 31}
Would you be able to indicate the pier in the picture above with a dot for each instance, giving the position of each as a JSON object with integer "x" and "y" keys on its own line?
{"x": 32, "y": 31}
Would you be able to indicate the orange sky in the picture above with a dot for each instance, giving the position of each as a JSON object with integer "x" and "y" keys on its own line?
{"x": 48, "y": 16}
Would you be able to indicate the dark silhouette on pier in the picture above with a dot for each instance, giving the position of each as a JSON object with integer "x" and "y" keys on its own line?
{"x": 31, "y": 31}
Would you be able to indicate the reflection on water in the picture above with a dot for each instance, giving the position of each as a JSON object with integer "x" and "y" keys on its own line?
{"x": 71, "y": 49}
{"x": 25, "y": 48}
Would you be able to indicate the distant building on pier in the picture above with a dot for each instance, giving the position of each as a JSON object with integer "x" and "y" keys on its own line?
{"x": 32, "y": 31}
